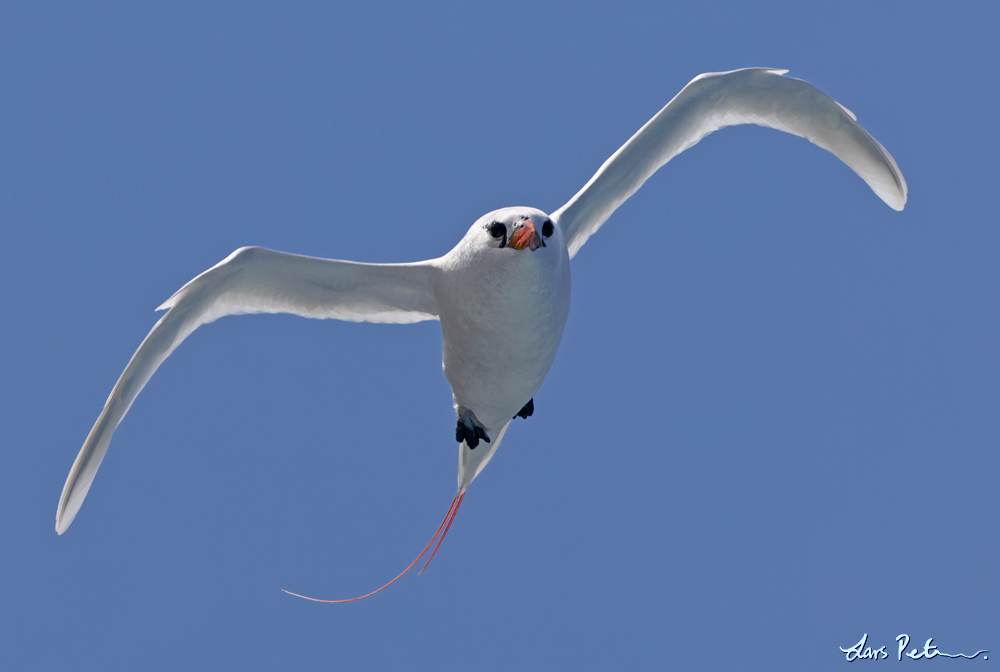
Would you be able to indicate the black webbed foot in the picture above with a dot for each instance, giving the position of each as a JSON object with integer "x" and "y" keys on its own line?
{"x": 469, "y": 429}
{"x": 528, "y": 409}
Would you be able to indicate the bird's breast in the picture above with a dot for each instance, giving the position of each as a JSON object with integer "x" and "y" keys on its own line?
{"x": 502, "y": 318}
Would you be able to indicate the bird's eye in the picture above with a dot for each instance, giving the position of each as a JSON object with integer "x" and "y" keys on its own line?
{"x": 547, "y": 228}
{"x": 497, "y": 230}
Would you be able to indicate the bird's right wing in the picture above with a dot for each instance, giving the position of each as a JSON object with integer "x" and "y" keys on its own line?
{"x": 253, "y": 280}
{"x": 715, "y": 100}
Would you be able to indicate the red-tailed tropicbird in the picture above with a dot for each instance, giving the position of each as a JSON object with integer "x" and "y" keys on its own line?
{"x": 502, "y": 294}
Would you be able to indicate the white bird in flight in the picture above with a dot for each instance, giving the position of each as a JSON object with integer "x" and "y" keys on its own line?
{"x": 502, "y": 293}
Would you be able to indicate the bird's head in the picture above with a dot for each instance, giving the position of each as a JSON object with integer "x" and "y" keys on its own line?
{"x": 514, "y": 229}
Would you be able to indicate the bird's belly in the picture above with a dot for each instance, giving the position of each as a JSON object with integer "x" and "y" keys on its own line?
{"x": 499, "y": 341}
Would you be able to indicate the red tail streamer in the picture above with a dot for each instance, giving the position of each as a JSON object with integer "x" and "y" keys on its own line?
{"x": 460, "y": 498}
{"x": 452, "y": 510}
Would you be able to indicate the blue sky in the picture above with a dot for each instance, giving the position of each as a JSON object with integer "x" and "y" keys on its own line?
{"x": 771, "y": 428}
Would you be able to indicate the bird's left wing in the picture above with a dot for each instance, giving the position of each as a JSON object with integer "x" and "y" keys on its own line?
{"x": 715, "y": 100}
{"x": 253, "y": 280}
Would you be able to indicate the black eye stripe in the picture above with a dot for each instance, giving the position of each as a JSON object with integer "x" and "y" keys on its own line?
{"x": 547, "y": 228}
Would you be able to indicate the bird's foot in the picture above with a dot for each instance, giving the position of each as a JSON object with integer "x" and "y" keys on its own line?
{"x": 469, "y": 429}
{"x": 528, "y": 409}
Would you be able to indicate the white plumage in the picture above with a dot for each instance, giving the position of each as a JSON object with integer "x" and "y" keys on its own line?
{"x": 503, "y": 293}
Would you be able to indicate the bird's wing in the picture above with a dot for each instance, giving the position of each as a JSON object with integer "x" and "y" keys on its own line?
{"x": 253, "y": 280}
{"x": 715, "y": 100}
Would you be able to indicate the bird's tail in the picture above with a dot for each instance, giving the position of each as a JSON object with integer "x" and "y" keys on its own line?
{"x": 445, "y": 524}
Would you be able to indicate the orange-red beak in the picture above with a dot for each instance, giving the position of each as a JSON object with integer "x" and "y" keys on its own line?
{"x": 526, "y": 236}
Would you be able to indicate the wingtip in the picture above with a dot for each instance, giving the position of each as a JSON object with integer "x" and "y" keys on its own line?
{"x": 67, "y": 510}
{"x": 63, "y": 521}
{"x": 902, "y": 191}
{"x": 68, "y": 507}
{"x": 895, "y": 199}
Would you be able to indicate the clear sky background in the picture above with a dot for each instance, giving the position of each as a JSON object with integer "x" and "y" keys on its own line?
{"x": 771, "y": 428}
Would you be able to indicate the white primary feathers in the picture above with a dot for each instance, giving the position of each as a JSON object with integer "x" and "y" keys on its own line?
{"x": 502, "y": 294}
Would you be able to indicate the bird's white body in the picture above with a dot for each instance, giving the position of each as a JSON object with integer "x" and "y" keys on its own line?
{"x": 502, "y": 315}
{"x": 502, "y": 294}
